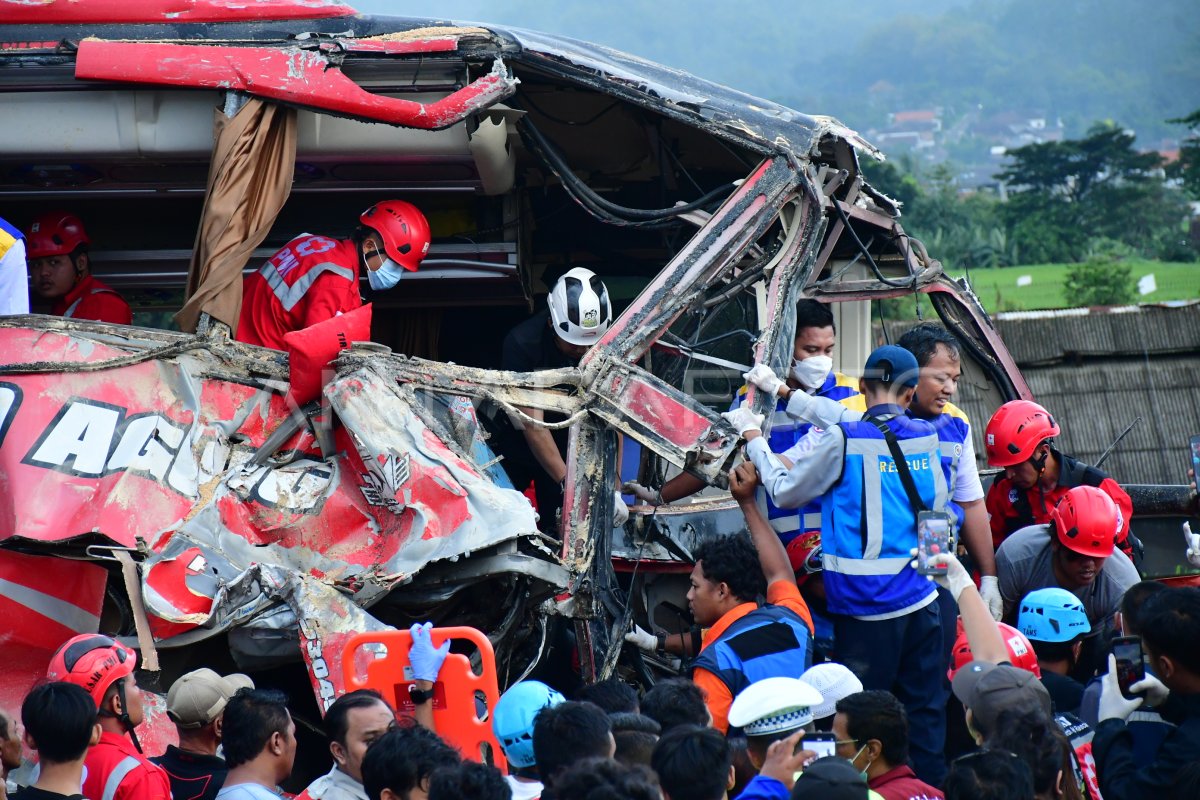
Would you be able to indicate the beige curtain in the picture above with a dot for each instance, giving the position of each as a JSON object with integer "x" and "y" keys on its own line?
{"x": 254, "y": 157}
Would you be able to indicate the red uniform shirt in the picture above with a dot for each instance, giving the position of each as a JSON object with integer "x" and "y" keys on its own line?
{"x": 311, "y": 279}
{"x": 93, "y": 299}
{"x": 1012, "y": 509}
{"x": 901, "y": 783}
{"x": 117, "y": 771}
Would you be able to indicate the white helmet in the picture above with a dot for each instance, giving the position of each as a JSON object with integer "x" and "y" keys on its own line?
{"x": 579, "y": 307}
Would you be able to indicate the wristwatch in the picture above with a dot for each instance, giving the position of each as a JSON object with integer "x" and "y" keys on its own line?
{"x": 419, "y": 697}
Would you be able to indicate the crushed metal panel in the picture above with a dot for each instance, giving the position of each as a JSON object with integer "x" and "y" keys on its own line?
{"x": 294, "y": 74}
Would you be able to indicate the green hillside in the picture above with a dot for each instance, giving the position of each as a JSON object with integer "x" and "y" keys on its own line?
{"x": 998, "y": 291}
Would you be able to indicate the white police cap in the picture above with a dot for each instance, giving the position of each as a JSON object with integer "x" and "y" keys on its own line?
{"x": 774, "y": 705}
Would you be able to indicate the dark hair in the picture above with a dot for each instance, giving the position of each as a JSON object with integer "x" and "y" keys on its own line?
{"x": 404, "y": 757}
{"x": 693, "y": 763}
{"x": 633, "y": 723}
{"x": 1170, "y": 626}
{"x": 1132, "y": 601}
{"x": 733, "y": 561}
{"x": 60, "y": 718}
{"x": 813, "y": 314}
{"x": 634, "y": 747}
{"x": 566, "y": 733}
{"x": 613, "y": 696}
{"x": 675, "y": 702}
{"x": 251, "y": 717}
{"x": 876, "y": 714}
{"x": 603, "y": 779}
{"x": 923, "y": 340}
{"x": 469, "y": 780}
{"x": 337, "y": 717}
{"x": 1036, "y": 740}
{"x": 4, "y": 723}
{"x": 989, "y": 775}
{"x": 1055, "y": 651}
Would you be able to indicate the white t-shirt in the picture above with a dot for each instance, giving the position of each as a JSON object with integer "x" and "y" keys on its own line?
{"x": 524, "y": 790}
{"x": 246, "y": 791}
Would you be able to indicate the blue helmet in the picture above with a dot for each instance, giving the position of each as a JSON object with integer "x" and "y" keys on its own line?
{"x": 512, "y": 720}
{"x": 1052, "y": 615}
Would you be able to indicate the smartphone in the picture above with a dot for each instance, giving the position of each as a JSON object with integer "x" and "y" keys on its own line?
{"x": 1194, "y": 444}
{"x": 823, "y": 744}
{"x": 935, "y": 534}
{"x": 1131, "y": 667}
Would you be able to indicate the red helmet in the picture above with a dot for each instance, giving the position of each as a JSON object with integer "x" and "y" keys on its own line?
{"x": 92, "y": 661}
{"x": 1015, "y": 431}
{"x": 404, "y": 229}
{"x": 55, "y": 233}
{"x": 1020, "y": 651}
{"x": 1087, "y": 521}
{"x": 805, "y": 554}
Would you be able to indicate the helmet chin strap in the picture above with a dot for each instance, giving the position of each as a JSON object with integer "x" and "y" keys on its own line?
{"x": 123, "y": 717}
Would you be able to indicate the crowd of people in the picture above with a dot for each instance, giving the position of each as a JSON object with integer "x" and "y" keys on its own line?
{"x": 830, "y": 657}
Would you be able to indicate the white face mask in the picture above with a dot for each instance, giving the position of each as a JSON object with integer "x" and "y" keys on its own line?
{"x": 812, "y": 371}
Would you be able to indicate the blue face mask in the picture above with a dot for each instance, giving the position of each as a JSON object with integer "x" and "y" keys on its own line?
{"x": 387, "y": 276}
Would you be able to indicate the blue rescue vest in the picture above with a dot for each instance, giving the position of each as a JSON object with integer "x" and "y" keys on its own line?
{"x": 868, "y": 526}
{"x": 769, "y": 642}
{"x": 785, "y": 433}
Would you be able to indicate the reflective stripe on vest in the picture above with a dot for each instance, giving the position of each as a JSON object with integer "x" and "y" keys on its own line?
{"x": 70, "y": 312}
{"x": 868, "y": 524}
{"x": 769, "y": 642}
{"x": 127, "y": 765}
{"x": 289, "y": 296}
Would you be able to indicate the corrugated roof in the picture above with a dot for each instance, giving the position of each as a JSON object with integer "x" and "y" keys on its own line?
{"x": 1127, "y": 330}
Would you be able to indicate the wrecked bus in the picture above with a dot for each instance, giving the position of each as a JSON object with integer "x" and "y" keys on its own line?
{"x": 159, "y": 485}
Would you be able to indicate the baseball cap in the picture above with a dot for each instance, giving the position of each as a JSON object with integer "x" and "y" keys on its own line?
{"x": 892, "y": 364}
{"x": 773, "y": 705}
{"x": 199, "y": 697}
{"x": 988, "y": 689}
{"x": 830, "y": 778}
{"x": 834, "y": 682}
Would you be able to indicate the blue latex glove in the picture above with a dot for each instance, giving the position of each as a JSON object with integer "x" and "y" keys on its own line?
{"x": 425, "y": 659}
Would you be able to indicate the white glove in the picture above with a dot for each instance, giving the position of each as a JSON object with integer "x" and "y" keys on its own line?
{"x": 620, "y": 510}
{"x": 1113, "y": 704}
{"x": 764, "y": 378}
{"x": 989, "y": 589}
{"x": 1153, "y": 689}
{"x": 1193, "y": 545}
{"x": 956, "y": 578}
{"x": 651, "y": 497}
{"x": 743, "y": 419}
{"x": 642, "y": 639}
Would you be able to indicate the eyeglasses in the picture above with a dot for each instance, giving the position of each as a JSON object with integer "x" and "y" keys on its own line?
{"x": 840, "y": 742}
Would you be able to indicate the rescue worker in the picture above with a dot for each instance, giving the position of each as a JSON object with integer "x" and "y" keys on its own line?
{"x": 1020, "y": 439}
{"x": 14, "y": 279}
{"x": 940, "y": 362}
{"x": 812, "y": 374}
{"x": 887, "y": 624}
{"x": 1074, "y": 552}
{"x": 1055, "y": 623}
{"x": 512, "y": 722}
{"x": 116, "y": 768}
{"x": 745, "y": 642}
{"x": 60, "y": 271}
{"x": 313, "y": 278}
{"x": 577, "y": 315}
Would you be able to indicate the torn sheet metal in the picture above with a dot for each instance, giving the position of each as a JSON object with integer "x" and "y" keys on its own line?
{"x": 157, "y": 456}
{"x": 289, "y": 74}
{"x": 72, "y": 12}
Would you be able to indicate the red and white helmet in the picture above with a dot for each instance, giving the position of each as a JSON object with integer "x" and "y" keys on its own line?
{"x": 580, "y": 311}
{"x": 403, "y": 228}
{"x": 1015, "y": 431}
{"x": 92, "y": 661}
{"x": 55, "y": 233}
{"x": 1087, "y": 521}
{"x": 1020, "y": 651}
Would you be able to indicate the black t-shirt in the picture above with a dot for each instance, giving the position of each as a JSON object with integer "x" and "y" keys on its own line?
{"x": 193, "y": 776}
{"x": 532, "y": 346}
{"x": 34, "y": 793}
{"x": 1065, "y": 692}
